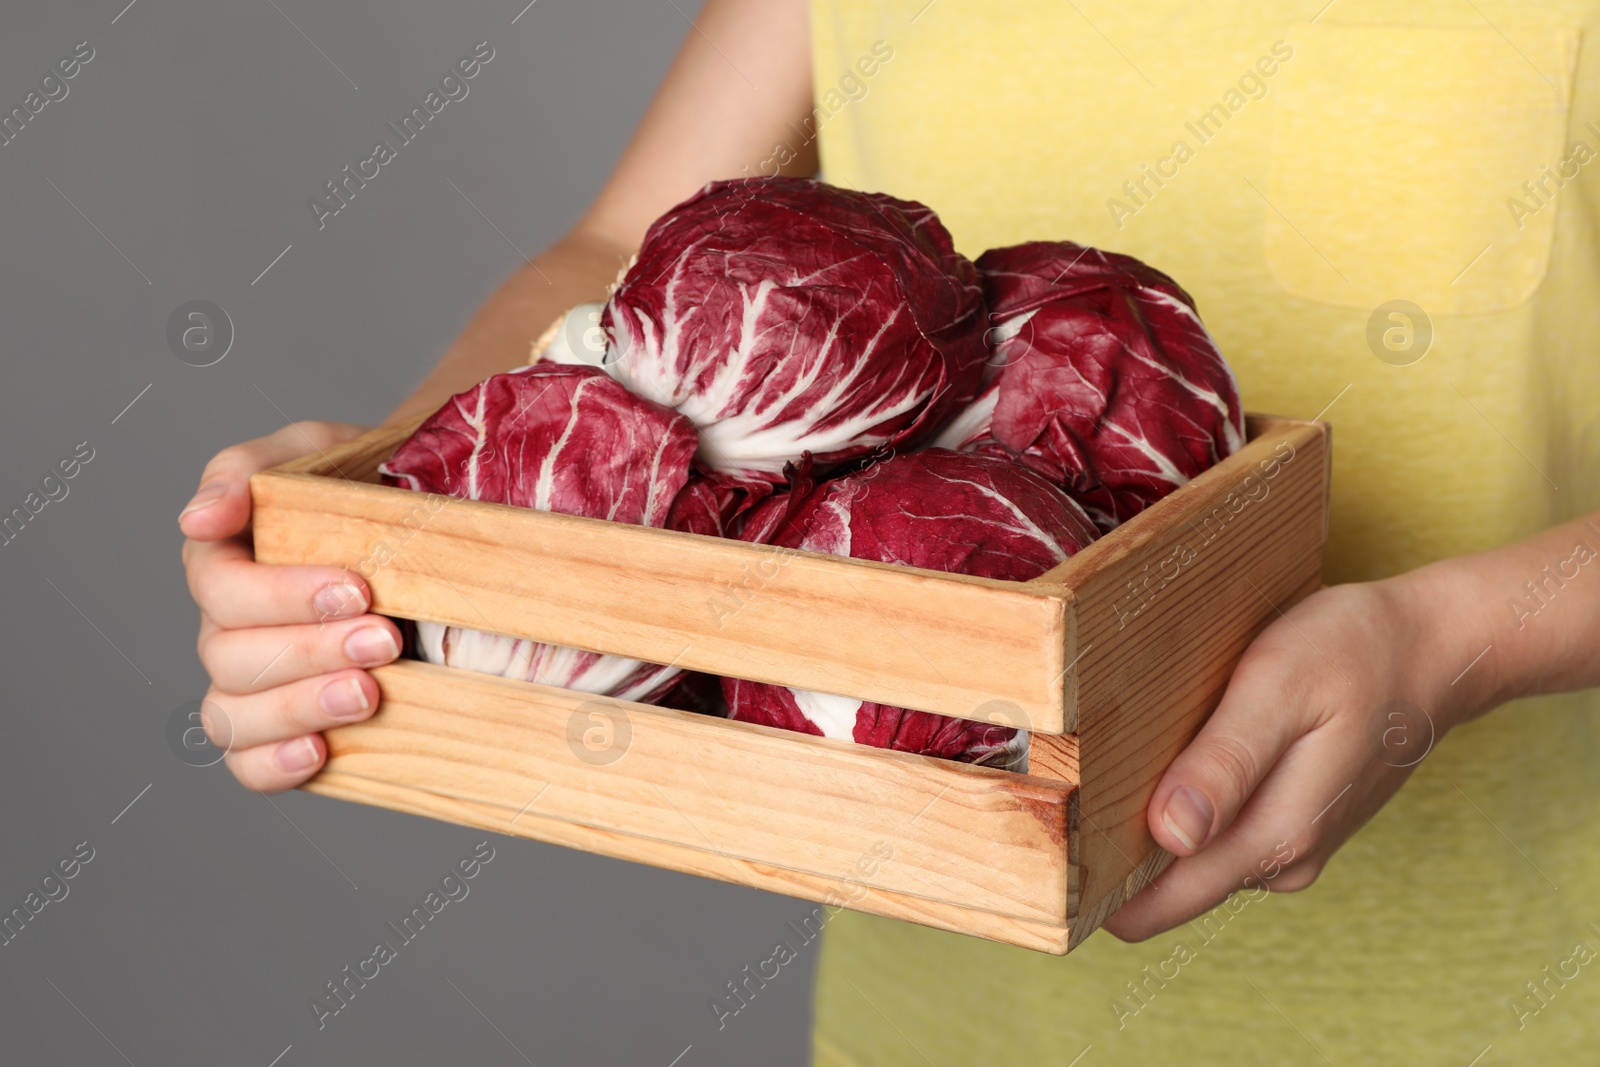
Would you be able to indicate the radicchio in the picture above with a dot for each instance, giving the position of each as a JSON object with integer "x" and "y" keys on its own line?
{"x": 786, "y": 316}
{"x": 554, "y": 438}
{"x": 1109, "y": 385}
{"x": 715, "y": 503}
{"x": 939, "y": 510}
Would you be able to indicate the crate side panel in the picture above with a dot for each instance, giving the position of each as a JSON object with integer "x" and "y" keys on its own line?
{"x": 952, "y": 644}
{"x": 947, "y": 831}
{"x": 1164, "y": 620}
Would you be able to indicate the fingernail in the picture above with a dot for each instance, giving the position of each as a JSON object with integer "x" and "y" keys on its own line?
{"x": 209, "y": 494}
{"x": 343, "y": 699}
{"x": 1188, "y": 816}
{"x": 296, "y": 755}
{"x": 334, "y": 601}
{"x": 370, "y": 646}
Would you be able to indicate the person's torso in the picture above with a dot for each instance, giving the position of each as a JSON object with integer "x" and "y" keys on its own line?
{"x": 1307, "y": 176}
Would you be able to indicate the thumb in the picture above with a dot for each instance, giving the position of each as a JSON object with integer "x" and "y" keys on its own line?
{"x": 221, "y": 506}
{"x": 1210, "y": 781}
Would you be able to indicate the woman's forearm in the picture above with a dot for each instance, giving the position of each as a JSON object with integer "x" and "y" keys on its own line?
{"x": 1519, "y": 620}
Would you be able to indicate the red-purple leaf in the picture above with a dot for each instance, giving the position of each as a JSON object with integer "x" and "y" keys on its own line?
{"x": 936, "y": 509}
{"x": 1109, "y": 386}
{"x": 556, "y": 438}
{"x": 785, "y": 316}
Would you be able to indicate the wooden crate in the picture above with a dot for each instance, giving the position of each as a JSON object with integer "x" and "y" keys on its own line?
{"x": 1113, "y": 659}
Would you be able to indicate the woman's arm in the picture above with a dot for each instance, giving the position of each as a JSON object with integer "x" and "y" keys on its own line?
{"x": 1335, "y": 704}
{"x": 1538, "y": 608}
{"x": 740, "y": 85}
{"x": 287, "y": 648}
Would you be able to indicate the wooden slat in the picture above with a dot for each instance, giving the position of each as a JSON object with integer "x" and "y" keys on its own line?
{"x": 357, "y": 459}
{"x": 1159, "y": 642}
{"x": 982, "y": 837}
{"x": 1038, "y": 936}
{"x": 1090, "y": 918}
{"x": 947, "y": 643}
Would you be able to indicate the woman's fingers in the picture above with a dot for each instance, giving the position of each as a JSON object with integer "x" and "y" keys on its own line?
{"x": 221, "y": 506}
{"x": 253, "y": 660}
{"x": 283, "y": 645}
{"x": 1208, "y": 784}
{"x": 247, "y": 720}
{"x": 282, "y": 765}
{"x": 1277, "y": 843}
{"x": 235, "y": 591}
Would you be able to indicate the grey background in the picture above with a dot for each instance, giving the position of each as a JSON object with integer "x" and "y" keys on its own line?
{"x": 209, "y": 916}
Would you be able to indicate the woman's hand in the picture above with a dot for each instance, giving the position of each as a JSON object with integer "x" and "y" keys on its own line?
{"x": 1325, "y": 717}
{"x": 1335, "y": 703}
{"x": 285, "y": 646}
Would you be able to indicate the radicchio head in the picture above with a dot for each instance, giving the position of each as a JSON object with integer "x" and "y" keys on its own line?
{"x": 1109, "y": 385}
{"x": 786, "y": 316}
{"x": 939, "y": 510}
{"x": 555, "y": 438}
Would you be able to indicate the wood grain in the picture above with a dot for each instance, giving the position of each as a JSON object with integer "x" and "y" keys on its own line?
{"x": 1163, "y": 608}
{"x": 1089, "y": 919}
{"x": 947, "y": 643}
{"x": 1038, "y": 936}
{"x": 984, "y": 837}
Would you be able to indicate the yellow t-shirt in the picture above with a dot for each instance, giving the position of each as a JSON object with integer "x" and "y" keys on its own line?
{"x": 1296, "y": 171}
